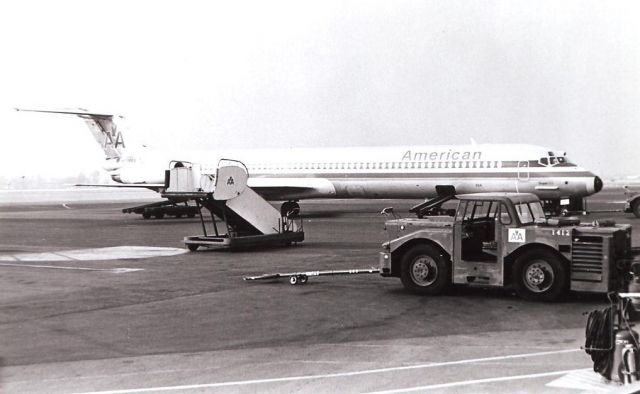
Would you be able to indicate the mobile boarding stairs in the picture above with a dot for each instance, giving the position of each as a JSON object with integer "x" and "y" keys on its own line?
{"x": 245, "y": 219}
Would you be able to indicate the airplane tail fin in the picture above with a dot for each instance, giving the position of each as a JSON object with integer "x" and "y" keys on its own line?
{"x": 102, "y": 126}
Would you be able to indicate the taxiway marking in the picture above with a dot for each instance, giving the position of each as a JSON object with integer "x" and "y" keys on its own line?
{"x": 108, "y": 253}
{"x": 341, "y": 374}
{"x": 111, "y": 270}
{"x": 477, "y": 381}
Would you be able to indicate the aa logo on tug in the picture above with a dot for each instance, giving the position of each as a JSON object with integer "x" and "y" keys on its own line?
{"x": 517, "y": 235}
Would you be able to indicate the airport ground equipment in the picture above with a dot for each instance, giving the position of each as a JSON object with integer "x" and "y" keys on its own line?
{"x": 611, "y": 341}
{"x": 161, "y": 209}
{"x": 300, "y": 278}
{"x": 246, "y": 219}
{"x": 632, "y": 204}
{"x": 504, "y": 240}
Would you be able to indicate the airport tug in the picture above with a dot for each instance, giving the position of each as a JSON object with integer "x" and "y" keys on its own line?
{"x": 245, "y": 219}
{"x": 504, "y": 239}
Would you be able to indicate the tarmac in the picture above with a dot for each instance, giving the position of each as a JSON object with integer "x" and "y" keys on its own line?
{"x": 93, "y": 300}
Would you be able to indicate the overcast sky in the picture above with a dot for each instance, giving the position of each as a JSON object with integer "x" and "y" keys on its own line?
{"x": 563, "y": 74}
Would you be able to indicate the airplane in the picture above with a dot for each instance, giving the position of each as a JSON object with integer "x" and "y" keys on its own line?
{"x": 390, "y": 172}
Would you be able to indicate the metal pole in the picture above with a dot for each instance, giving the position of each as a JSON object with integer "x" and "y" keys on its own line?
{"x": 215, "y": 226}
{"x": 204, "y": 228}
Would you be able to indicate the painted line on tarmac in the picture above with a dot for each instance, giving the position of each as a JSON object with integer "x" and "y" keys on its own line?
{"x": 478, "y": 381}
{"x": 332, "y": 375}
{"x": 110, "y": 270}
{"x": 95, "y": 254}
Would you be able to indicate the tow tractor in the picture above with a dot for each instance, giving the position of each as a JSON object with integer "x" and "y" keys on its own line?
{"x": 505, "y": 240}
{"x": 244, "y": 218}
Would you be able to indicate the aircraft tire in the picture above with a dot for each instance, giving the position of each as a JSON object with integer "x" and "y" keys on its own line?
{"x": 293, "y": 280}
{"x": 425, "y": 270}
{"x": 192, "y": 247}
{"x": 159, "y": 215}
{"x": 146, "y": 215}
{"x": 290, "y": 209}
{"x": 539, "y": 275}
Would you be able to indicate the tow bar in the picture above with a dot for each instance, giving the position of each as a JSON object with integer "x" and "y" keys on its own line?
{"x": 300, "y": 278}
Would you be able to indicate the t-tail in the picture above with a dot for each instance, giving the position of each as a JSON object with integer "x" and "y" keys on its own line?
{"x": 102, "y": 126}
{"x": 124, "y": 165}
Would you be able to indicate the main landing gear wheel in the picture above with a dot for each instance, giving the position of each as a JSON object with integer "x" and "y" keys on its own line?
{"x": 192, "y": 247}
{"x": 425, "y": 270}
{"x": 290, "y": 209}
{"x": 539, "y": 275}
{"x": 146, "y": 215}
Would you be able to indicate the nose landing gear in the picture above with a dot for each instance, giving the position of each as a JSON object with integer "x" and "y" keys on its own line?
{"x": 290, "y": 209}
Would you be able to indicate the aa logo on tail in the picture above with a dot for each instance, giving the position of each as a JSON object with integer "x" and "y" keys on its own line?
{"x": 113, "y": 138}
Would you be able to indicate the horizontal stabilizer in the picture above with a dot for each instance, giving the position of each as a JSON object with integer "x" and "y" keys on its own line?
{"x": 79, "y": 112}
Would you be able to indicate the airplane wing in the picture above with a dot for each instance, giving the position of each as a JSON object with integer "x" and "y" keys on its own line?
{"x": 156, "y": 187}
{"x": 269, "y": 188}
{"x": 292, "y": 188}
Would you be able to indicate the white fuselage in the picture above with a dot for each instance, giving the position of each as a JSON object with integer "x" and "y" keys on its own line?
{"x": 389, "y": 172}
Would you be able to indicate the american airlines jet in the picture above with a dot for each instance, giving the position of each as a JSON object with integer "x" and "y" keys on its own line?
{"x": 398, "y": 172}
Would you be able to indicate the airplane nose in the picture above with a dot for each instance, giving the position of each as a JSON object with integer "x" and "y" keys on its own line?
{"x": 597, "y": 184}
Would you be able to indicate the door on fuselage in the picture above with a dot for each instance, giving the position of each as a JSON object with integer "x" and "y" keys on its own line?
{"x": 523, "y": 175}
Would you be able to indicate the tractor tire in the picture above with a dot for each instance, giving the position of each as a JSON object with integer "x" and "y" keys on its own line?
{"x": 539, "y": 275}
{"x": 635, "y": 208}
{"x": 425, "y": 270}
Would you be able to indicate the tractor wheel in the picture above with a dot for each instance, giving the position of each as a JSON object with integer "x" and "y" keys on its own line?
{"x": 635, "y": 208}
{"x": 539, "y": 275}
{"x": 425, "y": 270}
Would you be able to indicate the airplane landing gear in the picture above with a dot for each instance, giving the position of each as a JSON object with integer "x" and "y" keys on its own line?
{"x": 290, "y": 209}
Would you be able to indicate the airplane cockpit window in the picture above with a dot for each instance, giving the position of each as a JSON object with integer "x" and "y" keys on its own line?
{"x": 553, "y": 159}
